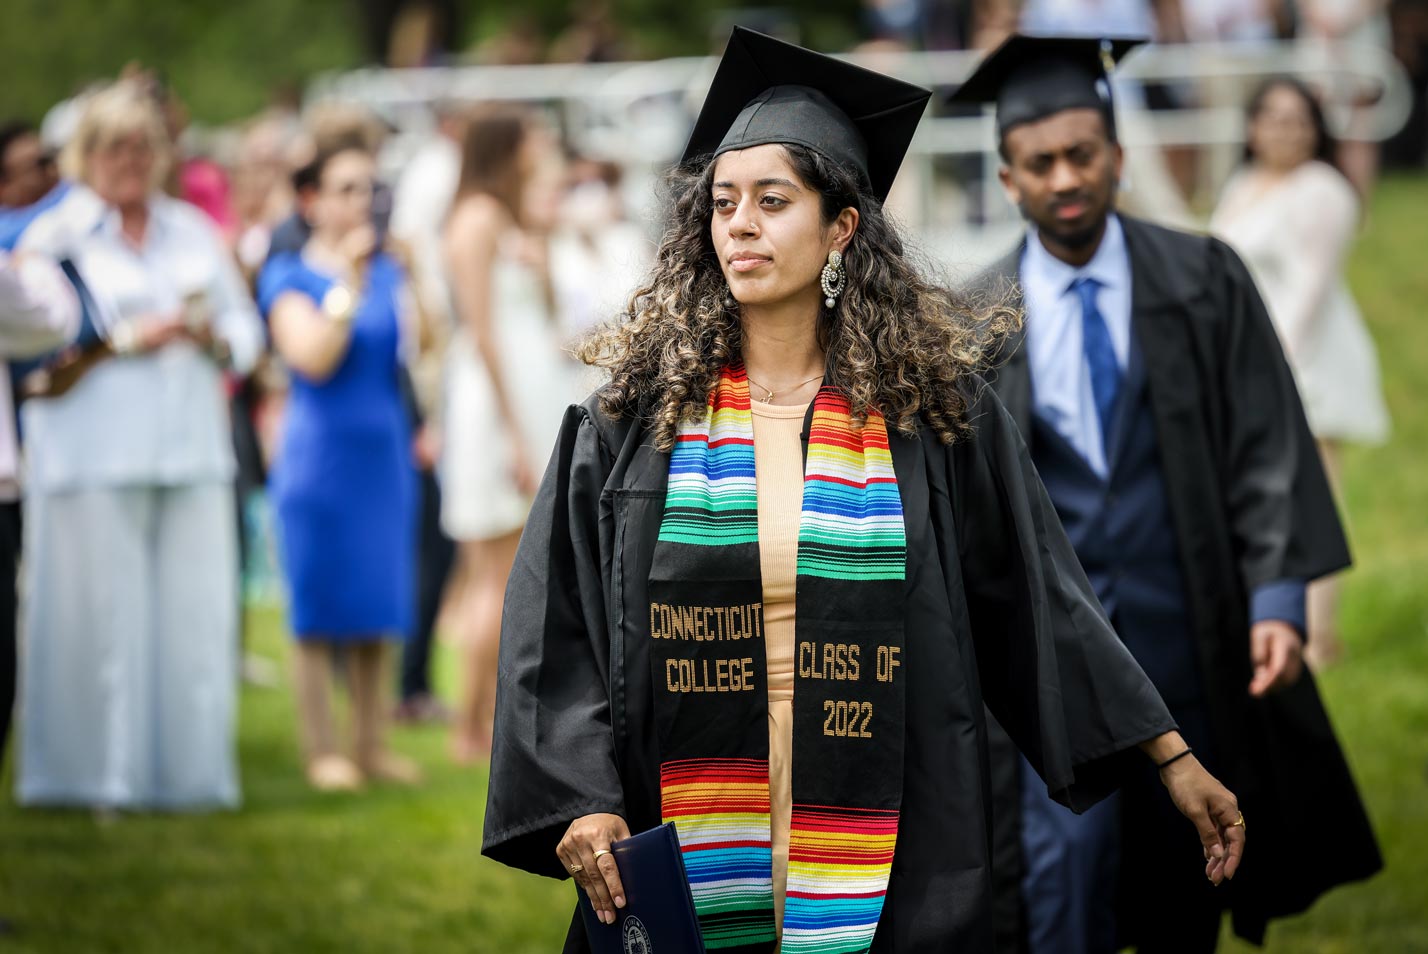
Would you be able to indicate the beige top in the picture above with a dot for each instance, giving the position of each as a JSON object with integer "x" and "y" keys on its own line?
{"x": 778, "y": 463}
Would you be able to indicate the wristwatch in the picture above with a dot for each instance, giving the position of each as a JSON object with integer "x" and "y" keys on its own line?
{"x": 124, "y": 337}
{"x": 220, "y": 353}
{"x": 339, "y": 304}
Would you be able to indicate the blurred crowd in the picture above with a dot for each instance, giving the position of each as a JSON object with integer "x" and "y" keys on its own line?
{"x": 374, "y": 343}
{"x": 286, "y": 321}
{"x": 422, "y": 33}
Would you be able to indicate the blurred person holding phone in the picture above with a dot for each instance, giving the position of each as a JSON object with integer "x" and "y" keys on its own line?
{"x": 343, "y": 482}
{"x": 128, "y": 671}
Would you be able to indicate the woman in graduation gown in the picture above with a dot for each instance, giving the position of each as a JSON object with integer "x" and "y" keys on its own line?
{"x": 779, "y": 562}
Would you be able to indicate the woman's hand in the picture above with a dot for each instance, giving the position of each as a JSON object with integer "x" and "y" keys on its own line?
{"x": 524, "y": 476}
{"x": 598, "y": 876}
{"x": 426, "y": 447}
{"x": 149, "y": 332}
{"x": 357, "y": 247}
{"x": 209, "y": 343}
{"x": 1215, "y": 812}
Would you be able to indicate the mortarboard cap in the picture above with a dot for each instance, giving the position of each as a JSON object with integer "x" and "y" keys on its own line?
{"x": 768, "y": 91}
{"x": 1032, "y": 77}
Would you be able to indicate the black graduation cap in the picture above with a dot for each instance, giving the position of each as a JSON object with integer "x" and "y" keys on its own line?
{"x": 769, "y": 91}
{"x": 1032, "y": 77}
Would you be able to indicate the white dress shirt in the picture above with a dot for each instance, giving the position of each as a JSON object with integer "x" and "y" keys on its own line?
{"x": 39, "y": 312}
{"x": 157, "y": 418}
{"x": 1060, "y": 376}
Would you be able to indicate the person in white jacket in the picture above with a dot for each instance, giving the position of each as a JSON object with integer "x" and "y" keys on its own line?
{"x": 39, "y": 312}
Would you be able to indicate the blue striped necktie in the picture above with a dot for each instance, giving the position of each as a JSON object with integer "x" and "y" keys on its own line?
{"x": 1100, "y": 355}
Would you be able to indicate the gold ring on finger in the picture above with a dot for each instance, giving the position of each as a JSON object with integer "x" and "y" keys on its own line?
{"x": 576, "y": 869}
{"x": 1240, "y": 821}
{"x": 601, "y": 851}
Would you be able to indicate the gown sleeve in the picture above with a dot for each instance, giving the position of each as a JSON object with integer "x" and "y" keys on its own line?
{"x": 1052, "y": 670}
{"x": 552, "y": 757}
{"x": 1280, "y": 509}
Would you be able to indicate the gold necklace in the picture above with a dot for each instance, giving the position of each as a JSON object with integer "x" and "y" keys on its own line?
{"x": 769, "y": 395}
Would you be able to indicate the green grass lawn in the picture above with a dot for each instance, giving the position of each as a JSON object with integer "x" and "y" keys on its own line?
{"x": 400, "y": 870}
{"x": 1379, "y": 696}
{"x": 388, "y": 870}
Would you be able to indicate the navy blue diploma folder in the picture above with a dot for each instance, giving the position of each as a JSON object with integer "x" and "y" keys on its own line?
{"x": 658, "y": 916}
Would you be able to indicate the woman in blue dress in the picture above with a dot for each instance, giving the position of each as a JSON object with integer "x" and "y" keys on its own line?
{"x": 343, "y": 485}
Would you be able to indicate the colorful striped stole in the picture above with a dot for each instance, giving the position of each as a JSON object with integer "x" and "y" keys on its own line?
{"x": 709, "y": 665}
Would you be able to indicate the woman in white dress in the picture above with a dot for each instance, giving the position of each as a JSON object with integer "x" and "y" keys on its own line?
{"x": 1292, "y": 216}
{"x": 130, "y": 586}
{"x": 508, "y": 383}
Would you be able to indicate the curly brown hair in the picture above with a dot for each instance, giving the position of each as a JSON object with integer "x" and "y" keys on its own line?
{"x": 895, "y": 342}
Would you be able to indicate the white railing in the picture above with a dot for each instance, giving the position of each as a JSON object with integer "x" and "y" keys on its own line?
{"x": 638, "y": 114}
{"x": 616, "y": 91}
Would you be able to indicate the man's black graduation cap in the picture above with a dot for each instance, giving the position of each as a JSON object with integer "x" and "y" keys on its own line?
{"x": 769, "y": 91}
{"x": 1032, "y": 77}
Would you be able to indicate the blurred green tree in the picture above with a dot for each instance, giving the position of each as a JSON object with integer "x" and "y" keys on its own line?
{"x": 225, "y": 58}
{"x": 228, "y": 59}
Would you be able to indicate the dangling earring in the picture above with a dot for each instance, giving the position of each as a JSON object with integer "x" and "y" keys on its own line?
{"x": 834, "y": 279}
{"x": 729, "y": 301}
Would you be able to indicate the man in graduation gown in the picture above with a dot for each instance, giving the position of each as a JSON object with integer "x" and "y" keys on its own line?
{"x": 990, "y": 606}
{"x": 1158, "y": 408}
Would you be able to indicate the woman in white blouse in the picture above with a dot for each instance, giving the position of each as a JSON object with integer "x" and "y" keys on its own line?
{"x": 130, "y": 601}
{"x": 1292, "y": 216}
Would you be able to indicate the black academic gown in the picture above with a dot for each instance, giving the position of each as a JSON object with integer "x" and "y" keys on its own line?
{"x": 997, "y": 609}
{"x": 1249, "y": 504}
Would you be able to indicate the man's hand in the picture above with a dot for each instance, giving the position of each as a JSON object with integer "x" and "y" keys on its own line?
{"x": 357, "y": 248}
{"x": 1277, "y": 652}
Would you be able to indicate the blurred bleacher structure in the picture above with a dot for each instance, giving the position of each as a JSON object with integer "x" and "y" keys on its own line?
{"x": 639, "y": 114}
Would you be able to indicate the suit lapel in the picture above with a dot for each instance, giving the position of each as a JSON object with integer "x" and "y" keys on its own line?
{"x": 1162, "y": 337}
{"x": 1159, "y": 336}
